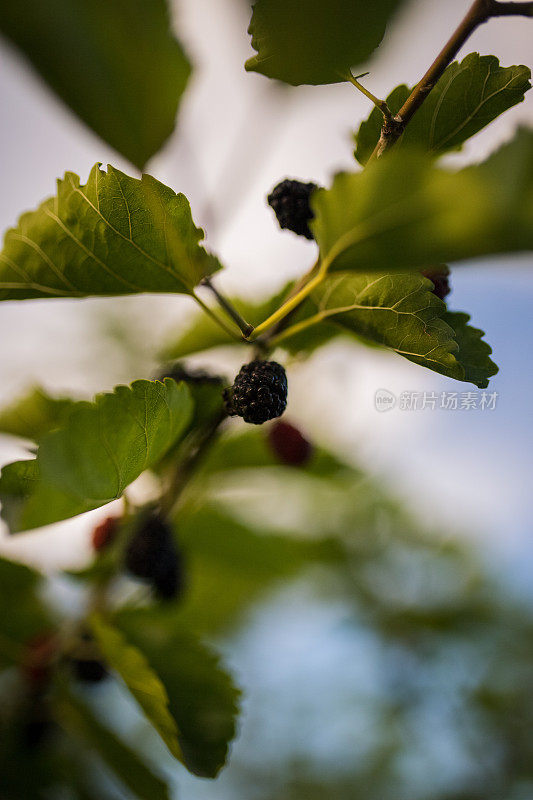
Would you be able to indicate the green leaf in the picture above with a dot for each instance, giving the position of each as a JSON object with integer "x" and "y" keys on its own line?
{"x": 203, "y": 334}
{"x": 202, "y": 697}
{"x": 79, "y": 722}
{"x": 103, "y": 447}
{"x": 398, "y": 311}
{"x": 116, "y": 235}
{"x": 34, "y": 414}
{"x": 140, "y": 679}
{"x": 250, "y": 449}
{"x": 403, "y": 213}
{"x": 23, "y": 613}
{"x": 115, "y": 64}
{"x": 474, "y": 353}
{"x": 231, "y": 565}
{"x": 468, "y": 97}
{"x": 317, "y": 41}
{"x": 18, "y": 482}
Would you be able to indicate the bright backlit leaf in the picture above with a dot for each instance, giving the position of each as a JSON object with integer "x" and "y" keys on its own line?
{"x": 402, "y": 212}
{"x": 115, "y": 235}
{"x": 203, "y": 334}
{"x": 140, "y": 679}
{"x": 103, "y": 447}
{"x": 468, "y": 96}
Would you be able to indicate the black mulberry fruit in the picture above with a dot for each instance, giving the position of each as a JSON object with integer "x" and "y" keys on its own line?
{"x": 439, "y": 277}
{"x": 153, "y": 556}
{"x": 259, "y": 392}
{"x": 290, "y": 202}
{"x": 88, "y": 670}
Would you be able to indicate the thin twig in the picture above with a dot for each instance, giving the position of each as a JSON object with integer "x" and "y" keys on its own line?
{"x": 512, "y": 9}
{"x": 479, "y": 12}
{"x": 210, "y": 313}
{"x": 313, "y": 279}
{"x": 185, "y": 469}
{"x": 245, "y": 327}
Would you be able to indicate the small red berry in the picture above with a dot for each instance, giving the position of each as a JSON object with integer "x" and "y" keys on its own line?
{"x": 104, "y": 533}
{"x": 39, "y": 653}
{"x": 289, "y": 445}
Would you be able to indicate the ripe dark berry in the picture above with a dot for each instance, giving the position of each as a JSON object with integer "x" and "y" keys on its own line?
{"x": 289, "y": 445}
{"x": 179, "y": 372}
{"x": 259, "y": 392}
{"x": 104, "y": 533}
{"x": 88, "y": 670}
{"x": 290, "y": 202}
{"x": 153, "y": 556}
{"x": 36, "y": 729}
{"x": 439, "y": 277}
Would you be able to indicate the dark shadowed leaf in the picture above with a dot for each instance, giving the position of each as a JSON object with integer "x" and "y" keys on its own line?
{"x": 116, "y": 64}
{"x": 474, "y": 353}
{"x": 34, "y": 414}
{"x": 79, "y": 722}
{"x": 201, "y": 695}
{"x": 317, "y": 41}
{"x": 23, "y": 614}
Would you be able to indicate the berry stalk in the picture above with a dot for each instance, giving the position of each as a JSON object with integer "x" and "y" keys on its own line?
{"x": 293, "y": 302}
{"x": 245, "y": 327}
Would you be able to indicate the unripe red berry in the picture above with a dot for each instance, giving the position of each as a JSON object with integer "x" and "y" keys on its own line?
{"x": 36, "y": 664}
{"x": 104, "y": 533}
{"x": 289, "y": 445}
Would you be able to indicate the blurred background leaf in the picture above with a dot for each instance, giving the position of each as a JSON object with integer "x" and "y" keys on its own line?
{"x": 317, "y": 42}
{"x": 116, "y": 64}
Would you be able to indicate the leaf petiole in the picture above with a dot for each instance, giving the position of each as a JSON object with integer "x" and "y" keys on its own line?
{"x": 294, "y": 301}
{"x": 381, "y": 104}
{"x": 210, "y": 313}
{"x": 245, "y": 327}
